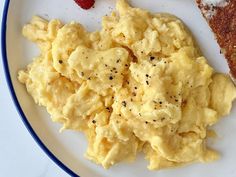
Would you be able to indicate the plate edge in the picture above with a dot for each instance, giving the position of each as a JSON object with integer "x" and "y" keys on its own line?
{"x": 14, "y": 97}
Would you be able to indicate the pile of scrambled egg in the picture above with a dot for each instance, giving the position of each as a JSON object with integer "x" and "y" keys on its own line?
{"x": 139, "y": 84}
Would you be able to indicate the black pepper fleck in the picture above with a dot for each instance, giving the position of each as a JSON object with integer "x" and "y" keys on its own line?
{"x": 146, "y": 122}
{"x": 82, "y": 73}
{"x": 60, "y": 61}
{"x": 135, "y": 88}
{"x": 147, "y": 82}
{"x": 124, "y": 103}
{"x": 152, "y": 58}
{"x": 160, "y": 102}
{"x": 89, "y": 78}
{"x": 93, "y": 121}
{"x": 110, "y": 77}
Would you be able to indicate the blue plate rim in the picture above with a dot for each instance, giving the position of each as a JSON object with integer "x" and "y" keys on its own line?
{"x": 14, "y": 98}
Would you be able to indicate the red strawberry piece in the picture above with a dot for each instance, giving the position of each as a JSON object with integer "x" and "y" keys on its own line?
{"x": 85, "y": 4}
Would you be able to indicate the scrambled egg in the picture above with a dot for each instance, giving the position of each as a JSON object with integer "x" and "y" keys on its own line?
{"x": 139, "y": 84}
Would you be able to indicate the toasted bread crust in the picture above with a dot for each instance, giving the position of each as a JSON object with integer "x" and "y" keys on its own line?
{"x": 223, "y": 24}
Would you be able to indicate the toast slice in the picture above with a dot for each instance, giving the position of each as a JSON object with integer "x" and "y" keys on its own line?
{"x": 221, "y": 17}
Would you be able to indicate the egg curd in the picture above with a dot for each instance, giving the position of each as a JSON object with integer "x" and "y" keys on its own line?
{"x": 138, "y": 85}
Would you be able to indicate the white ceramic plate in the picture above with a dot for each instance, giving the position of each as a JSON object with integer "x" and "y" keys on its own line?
{"x": 67, "y": 148}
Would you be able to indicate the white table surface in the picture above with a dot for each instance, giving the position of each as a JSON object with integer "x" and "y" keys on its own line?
{"x": 20, "y": 156}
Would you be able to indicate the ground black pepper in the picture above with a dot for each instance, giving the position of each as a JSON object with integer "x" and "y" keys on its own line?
{"x": 124, "y": 103}
{"x": 152, "y": 58}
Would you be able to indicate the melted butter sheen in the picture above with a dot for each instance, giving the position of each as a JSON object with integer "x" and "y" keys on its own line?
{"x": 139, "y": 84}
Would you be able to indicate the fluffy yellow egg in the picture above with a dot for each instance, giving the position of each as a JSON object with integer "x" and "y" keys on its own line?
{"x": 139, "y": 84}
